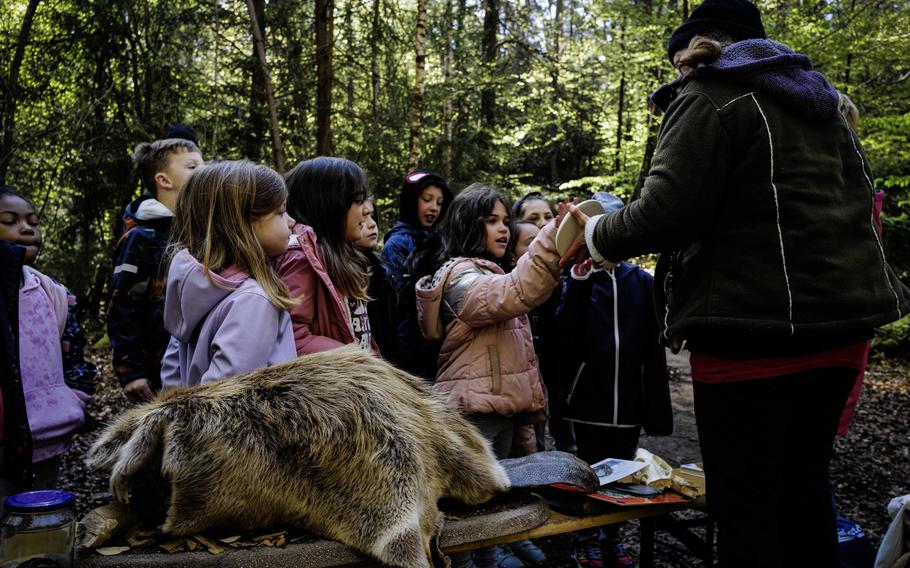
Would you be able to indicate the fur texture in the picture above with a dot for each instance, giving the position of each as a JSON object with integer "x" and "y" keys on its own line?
{"x": 339, "y": 442}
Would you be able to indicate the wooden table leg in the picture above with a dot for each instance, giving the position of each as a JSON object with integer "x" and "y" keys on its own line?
{"x": 646, "y": 554}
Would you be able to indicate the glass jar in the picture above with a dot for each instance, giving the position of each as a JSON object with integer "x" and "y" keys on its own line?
{"x": 38, "y": 530}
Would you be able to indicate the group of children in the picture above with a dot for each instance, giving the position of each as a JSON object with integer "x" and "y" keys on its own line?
{"x": 233, "y": 267}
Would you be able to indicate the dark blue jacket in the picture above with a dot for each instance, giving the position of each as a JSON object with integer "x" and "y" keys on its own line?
{"x": 611, "y": 315}
{"x": 398, "y": 244}
{"x": 135, "y": 321}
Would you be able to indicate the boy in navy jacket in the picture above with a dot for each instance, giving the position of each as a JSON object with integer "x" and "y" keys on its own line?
{"x": 612, "y": 368}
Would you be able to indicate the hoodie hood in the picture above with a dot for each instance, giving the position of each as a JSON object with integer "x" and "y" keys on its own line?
{"x": 192, "y": 293}
{"x": 414, "y": 183}
{"x": 147, "y": 208}
{"x": 768, "y": 67}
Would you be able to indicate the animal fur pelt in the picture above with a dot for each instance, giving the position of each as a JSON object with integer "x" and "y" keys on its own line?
{"x": 340, "y": 443}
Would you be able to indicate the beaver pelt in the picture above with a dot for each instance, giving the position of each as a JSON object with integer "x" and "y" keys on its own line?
{"x": 340, "y": 443}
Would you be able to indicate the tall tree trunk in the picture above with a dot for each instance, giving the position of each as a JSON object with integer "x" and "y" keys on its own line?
{"x": 685, "y": 10}
{"x": 255, "y": 130}
{"x": 460, "y": 111}
{"x": 11, "y": 94}
{"x": 488, "y": 55}
{"x": 621, "y": 107}
{"x": 375, "y": 39}
{"x": 349, "y": 34}
{"x": 277, "y": 145}
{"x": 324, "y": 74}
{"x": 420, "y": 60}
{"x": 555, "y": 93}
{"x": 447, "y": 107}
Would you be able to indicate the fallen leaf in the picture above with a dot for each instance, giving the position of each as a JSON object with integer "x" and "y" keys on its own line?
{"x": 229, "y": 539}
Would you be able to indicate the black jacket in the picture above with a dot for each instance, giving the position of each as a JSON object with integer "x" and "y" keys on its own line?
{"x": 17, "y": 438}
{"x": 612, "y": 368}
{"x": 762, "y": 200}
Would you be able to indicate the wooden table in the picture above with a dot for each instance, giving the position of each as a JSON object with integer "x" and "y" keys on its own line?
{"x": 654, "y": 518}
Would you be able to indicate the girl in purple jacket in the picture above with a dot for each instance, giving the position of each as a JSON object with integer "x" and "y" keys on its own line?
{"x": 222, "y": 293}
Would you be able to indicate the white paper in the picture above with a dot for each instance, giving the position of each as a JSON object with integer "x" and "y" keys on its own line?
{"x": 621, "y": 468}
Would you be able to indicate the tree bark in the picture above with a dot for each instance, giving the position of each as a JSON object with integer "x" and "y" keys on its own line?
{"x": 555, "y": 93}
{"x": 11, "y": 94}
{"x": 255, "y": 131}
{"x": 324, "y": 75}
{"x": 488, "y": 55}
{"x": 621, "y": 107}
{"x": 277, "y": 145}
{"x": 375, "y": 39}
{"x": 447, "y": 107}
{"x": 420, "y": 48}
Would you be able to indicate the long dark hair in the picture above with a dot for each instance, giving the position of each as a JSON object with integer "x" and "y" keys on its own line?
{"x": 464, "y": 228}
{"x": 320, "y": 193}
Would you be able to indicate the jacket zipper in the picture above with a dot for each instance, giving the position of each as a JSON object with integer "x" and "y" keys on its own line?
{"x": 616, "y": 347}
{"x": 575, "y": 383}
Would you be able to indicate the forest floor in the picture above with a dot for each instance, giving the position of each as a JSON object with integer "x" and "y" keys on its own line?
{"x": 871, "y": 464}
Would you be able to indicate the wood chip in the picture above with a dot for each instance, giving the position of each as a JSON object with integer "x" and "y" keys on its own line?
{"x": 229, "y": 539}
{"x": 173, "y": 546}
{"x": 111, "y": 550}
{"x": 271, "y": 536}
{"x": 192, "y": 545}
{"x": 208, "y": 543}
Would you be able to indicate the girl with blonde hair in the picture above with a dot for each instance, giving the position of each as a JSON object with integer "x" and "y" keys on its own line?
{"x": 225, "y": 307}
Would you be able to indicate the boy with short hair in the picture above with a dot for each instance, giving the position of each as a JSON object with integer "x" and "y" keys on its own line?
{"x": 135, "y": 324}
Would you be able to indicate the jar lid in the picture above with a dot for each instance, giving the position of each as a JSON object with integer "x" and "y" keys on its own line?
{"x": 37, "y": 501}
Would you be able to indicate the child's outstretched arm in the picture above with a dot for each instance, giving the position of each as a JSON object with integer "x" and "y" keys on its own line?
{"x": 492, "y": 298}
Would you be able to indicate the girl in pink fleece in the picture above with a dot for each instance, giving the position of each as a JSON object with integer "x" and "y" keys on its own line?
{"x": 328, "y": 199}
{"x": 50, "y": 389}
{"x": 225, "y": 307}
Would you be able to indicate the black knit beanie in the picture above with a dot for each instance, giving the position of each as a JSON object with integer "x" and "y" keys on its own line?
{"x": 182, "y": 131}
{"x": 738, "y": 19}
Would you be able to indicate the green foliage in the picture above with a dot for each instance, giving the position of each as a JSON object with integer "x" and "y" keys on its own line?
{"x": 571, "y": 114}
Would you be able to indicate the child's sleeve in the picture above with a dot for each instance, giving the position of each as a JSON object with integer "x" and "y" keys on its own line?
{"x": 134, "y": 269}
{"x": 297, "y": 273}
{"x": 394, "y": 258}
{"x": 658, "y": 418}
{"x": 78, "y": 374}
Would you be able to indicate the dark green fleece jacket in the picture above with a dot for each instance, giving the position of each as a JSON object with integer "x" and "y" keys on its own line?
{"x": 763, "y": 210}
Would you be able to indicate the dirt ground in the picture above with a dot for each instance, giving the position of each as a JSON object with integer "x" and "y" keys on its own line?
{"x": 871, "y": 464}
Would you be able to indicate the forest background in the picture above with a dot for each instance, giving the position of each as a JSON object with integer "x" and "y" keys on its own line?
{"x": 548, "y": 95}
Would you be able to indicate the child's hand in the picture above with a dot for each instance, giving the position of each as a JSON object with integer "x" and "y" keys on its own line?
{"x": 577, "y": 252}
{"x": 138, "y": 390}
{"x": 563, "y": 209}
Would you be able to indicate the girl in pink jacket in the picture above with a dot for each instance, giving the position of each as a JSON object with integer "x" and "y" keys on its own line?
{"x": 328, "y": 199}
{"x": 487, "y": 365}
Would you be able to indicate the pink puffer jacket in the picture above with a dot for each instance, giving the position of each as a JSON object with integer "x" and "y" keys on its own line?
{"x": 487, "y": 362}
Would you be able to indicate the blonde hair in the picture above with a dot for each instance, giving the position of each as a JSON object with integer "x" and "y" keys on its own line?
{"x": 149, "y": 158}
{"x": 213, "y": 221}
{"x": 702, "y": 49}
{"x": 848, "y": 109}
